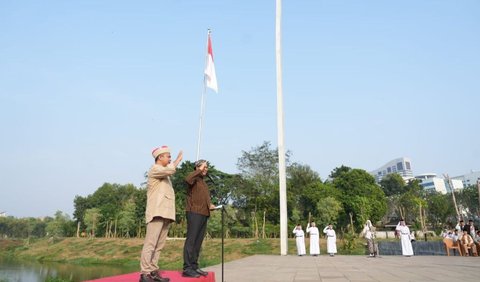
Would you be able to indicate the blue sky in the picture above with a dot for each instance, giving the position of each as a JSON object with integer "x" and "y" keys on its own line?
{"x": 89, "y": 88}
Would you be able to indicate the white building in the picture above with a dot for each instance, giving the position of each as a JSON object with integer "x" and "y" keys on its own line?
{"x": 469, "y": 178}
{"x": 430, "y": 181}
{"x": 400, "y": 166}
{"x": 3, "y": 214}
{"x": 457, "y": 185}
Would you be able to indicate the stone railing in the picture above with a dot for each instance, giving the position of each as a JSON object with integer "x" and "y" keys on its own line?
{"x": 420, "y": 248}
{"x": 391, "y": 234}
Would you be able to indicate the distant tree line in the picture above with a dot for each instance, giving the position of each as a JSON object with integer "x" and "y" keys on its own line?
{"x": 347, "y": 198}
{"x": 61, "y": 226}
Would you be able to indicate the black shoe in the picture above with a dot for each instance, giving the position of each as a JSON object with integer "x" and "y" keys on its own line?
{"x": 190, "y": 273}
{"x": 155, "y": 275}
{"x": 146, "y": 278}
{"x": 201, "y": 272}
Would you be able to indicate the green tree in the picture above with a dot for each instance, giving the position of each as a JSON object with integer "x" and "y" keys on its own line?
{"x": 260, "y": 162}
{"x": 126, "y": 219}
{"x": 80, "y": 205}
{"x": 328, "y": 209}
{"x": 60, "y": 226}
{"x": 140, "y": 200}
{"x": 30, "y": 223}
{"x": 109, "y": 200}
{"x": 106, "y": 200}
{"x": 301, "y": 179}
{"x": 7, "y": 227}
{"x": 393, "y": 184}
{"x": 91, "y": 220}
{"x": 39, "y": 230}
{"x": 361, "y": 196}
{"x": 315, "y": 193}
{"x": 412, "y": 202}
{"x": 258, "y": 192}
{"x": 467, "y": 198}
{"x": 214, "y": 226}
{"x": 336, "y": 172}
{"x": 440, "y": 208}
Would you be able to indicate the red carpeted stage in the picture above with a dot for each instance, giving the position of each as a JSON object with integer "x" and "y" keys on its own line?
{"x": 175, "y": 276}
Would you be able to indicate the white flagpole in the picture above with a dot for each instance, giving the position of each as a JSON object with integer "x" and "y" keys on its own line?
{"x": 202, "y": 111}
{"x": 202, "y": 104}
{"x": 280, "y": 137}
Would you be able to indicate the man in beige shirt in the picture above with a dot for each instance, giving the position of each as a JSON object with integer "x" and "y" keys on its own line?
{"x": 468, "y": 243}
{"x": 159, "y": 213}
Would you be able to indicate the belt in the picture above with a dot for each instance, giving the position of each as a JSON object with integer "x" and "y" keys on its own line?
{"x": 298, "y": 236}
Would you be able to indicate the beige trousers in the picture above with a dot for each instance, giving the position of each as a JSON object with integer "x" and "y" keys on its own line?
{"x": 157, "y": 231}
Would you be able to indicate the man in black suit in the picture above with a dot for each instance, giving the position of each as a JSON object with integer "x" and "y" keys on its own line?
{"x": 460, "y": 226}
{"x": 470, "y": 228}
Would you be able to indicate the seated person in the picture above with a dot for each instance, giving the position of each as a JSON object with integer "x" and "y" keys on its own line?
{"x": 446, "y": 233}
{"x": 466, "y": 242}
{"x": 476, "y": 240}
{"x": 453, "y": 235}
{"x": 455, "y": 238}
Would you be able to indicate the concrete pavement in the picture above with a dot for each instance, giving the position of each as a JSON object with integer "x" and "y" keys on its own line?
{"x": 349, "y": 268}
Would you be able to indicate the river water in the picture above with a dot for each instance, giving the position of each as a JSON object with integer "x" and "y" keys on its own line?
{"x": 26, "y": 271}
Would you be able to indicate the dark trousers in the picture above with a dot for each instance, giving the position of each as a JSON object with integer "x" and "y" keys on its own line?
{"x": 196, "y": 228}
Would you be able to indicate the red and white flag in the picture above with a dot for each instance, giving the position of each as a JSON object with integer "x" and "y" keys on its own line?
{"x": 210, "y": 76}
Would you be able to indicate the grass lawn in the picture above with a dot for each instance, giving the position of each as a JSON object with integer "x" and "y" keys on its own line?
{"x": 127, "y": 251}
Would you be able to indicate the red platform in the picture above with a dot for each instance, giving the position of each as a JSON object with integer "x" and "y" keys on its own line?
{"x": 175, "y": 276}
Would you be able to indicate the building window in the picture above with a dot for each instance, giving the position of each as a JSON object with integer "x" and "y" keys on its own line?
{"x": 399, "y": 166}
{"x": 389, "y": 170}
{"x": 407, "y": 165}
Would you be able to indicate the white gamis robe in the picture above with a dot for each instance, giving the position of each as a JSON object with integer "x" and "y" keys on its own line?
{"x": 331, "y": 240}
{"x": 300, "y": 240}
{"x": 407, "y": 249}
{"x": 314, "y": 240}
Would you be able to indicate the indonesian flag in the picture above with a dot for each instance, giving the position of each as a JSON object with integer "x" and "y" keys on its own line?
{"x": 210, "y": 76}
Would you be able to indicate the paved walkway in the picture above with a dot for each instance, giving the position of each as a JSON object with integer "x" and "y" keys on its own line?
{"x": 349, "y": 268}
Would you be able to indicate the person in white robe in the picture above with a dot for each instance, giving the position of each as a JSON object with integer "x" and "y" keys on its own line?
{"x": 314, "y": 239}
{"x": 368, "y": 233}
{"x": 299, "y": 239}
{"x": 331, "y": 240}
{"x": 402, "y": 228}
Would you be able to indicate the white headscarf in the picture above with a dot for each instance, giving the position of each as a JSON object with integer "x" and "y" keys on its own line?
{"x": 368, "y": 224}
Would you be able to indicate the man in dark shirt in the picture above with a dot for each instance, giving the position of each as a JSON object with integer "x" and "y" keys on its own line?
{"x": 198, "y": 210}
{"x": 470, "y": 228}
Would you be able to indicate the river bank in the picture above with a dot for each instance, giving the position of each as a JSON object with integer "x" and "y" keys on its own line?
{"x": 108, "y": 251}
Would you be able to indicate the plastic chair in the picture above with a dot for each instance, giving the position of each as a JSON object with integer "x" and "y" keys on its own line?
{"x": 449, "y": 245}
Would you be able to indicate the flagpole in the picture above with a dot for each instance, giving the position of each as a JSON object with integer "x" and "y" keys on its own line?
{"x": 202, "y": 103}
{"x": 280, "y": 135}
{"x": 202, "y": 110}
